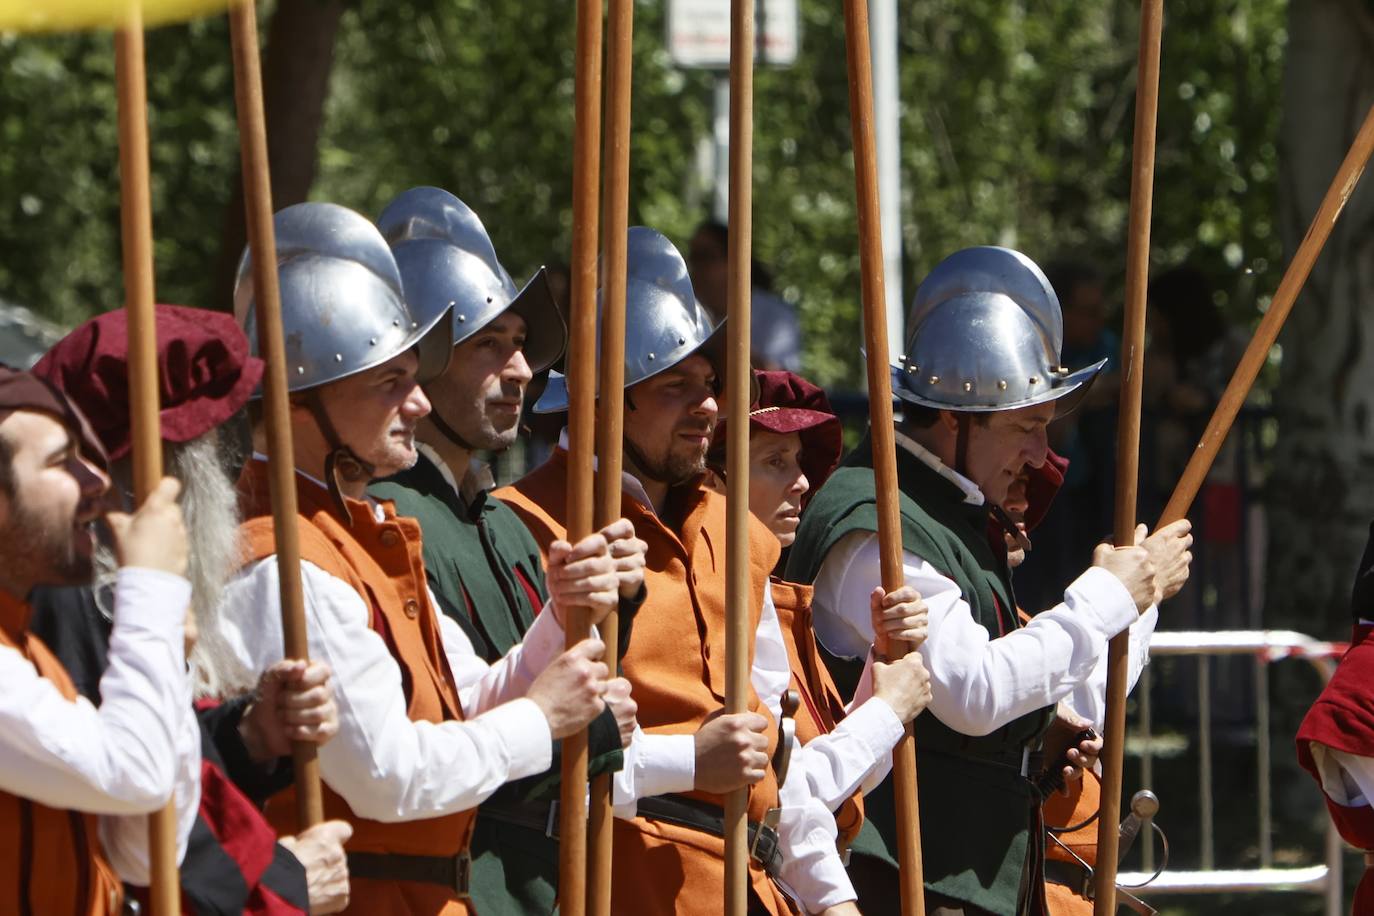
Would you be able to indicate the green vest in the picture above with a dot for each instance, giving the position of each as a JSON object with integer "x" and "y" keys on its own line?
{"x": 976, "y": 809}
{"x": 481, "y": 562}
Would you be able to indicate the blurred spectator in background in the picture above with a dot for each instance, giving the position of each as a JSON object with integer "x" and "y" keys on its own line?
{"x": 1087, "y": 437}
{"x": 775, "y": 330}
{"x": 1191, "y": 354}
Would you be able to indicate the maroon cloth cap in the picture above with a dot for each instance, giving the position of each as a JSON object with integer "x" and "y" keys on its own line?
{"x": 204, "y": 370}
{"x": 788, "y": 403}
{"x": 26, "y": 391}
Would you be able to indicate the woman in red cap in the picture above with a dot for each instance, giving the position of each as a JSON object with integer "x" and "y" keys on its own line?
{"x": 795, "y": 442}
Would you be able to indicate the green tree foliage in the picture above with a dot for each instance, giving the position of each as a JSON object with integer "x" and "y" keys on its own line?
{"x": 1016, "y": 128}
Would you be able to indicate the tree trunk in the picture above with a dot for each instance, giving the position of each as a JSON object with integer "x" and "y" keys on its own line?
{"x": 295, "y": 77}
{"x": 1321, "y": 494}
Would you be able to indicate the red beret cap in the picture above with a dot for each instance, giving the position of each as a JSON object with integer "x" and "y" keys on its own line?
{"x": 25, "y": 391}
{"x": 205, "y": 373}
{"x": 788, "y": 403}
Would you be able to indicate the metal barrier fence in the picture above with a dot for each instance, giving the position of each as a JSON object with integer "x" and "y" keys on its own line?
{"x": 1265, "y": 647}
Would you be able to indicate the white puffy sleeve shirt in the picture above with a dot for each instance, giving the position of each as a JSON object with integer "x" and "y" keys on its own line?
{"x": 386, "y": 766}
{"x": 124, "y": 759}
{"x": 978, "y": 683}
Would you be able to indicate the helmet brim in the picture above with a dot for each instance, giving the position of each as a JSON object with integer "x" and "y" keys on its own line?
{"x": 1075, "y": 383}
{"x": 555, "y": 396}
{"x": 546, "y": 333}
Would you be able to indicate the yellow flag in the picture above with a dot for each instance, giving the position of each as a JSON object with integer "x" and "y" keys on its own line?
{"x": 71, "y": 15}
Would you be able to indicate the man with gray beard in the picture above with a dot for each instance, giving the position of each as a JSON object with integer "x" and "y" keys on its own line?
{"x": 206, "y": 377}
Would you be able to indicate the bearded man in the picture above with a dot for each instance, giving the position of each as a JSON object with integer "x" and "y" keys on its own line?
{"x": 233, "y": 863}
{"x": 669, "y": 846}
{"x": 63, "y": 762}
{"x": 483, "y": 565}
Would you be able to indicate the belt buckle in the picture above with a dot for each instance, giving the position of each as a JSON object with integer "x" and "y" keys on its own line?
{"x": 462, "y": 875}
{"x": 766, "y": 856}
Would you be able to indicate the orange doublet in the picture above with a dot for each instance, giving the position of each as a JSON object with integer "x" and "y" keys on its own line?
{"x": 821, "y": 706}
{"x": 1081, "y": 804}
{"x": 50, "y": 859}
{"x": 676, "y": 663}
{"x": 381, "y": 560}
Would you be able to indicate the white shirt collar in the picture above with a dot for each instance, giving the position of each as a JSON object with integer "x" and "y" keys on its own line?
{"x": 477, "y": 480}
{"x": 972, "y": 494}
{"x": 629, "y": 483}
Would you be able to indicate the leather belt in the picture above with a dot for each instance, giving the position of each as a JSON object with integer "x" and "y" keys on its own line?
{"x": 538, "y": 816}
{"x": 451, "y": 872}
{"x": 708, "y": 818}
{"x": 1021, "y": 759}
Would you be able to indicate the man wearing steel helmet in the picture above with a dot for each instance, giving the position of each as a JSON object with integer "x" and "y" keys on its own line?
{"x": 686, "y": 756}
{"x": 981, "y": 380}
{"x": 427, "y": 730}
{"x": 483, "y": 565}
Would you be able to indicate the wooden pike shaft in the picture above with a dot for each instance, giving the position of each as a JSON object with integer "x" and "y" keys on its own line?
{"x": 136, "y": 233}
{"x": 611, "y": 407}
{"x": 572, "y": 844}
{"x": 737, "y": 386}
{"x": 860, "y": 68}
{"x": 257, "y": 195}
{"x": 1233, "y": 398}
{"x": 1128, "y": 432}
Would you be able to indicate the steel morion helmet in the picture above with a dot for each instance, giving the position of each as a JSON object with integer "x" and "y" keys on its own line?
{"x": 342, "y": 308}
{"x": 985, "y": 333}
{"x": 664, "y": 322}
{"x": 448, "y": 266}
{"x": 342, "y": 312}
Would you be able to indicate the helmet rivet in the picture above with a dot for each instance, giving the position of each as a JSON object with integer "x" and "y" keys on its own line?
{"x": 414, "y": 325}
{"x": 651, "y": 357}
{"x": 338, "y": 357}
{"x": 395, "y": 322}
{"x": 462, "y": 318}
{"x": 488, "y": 300}
{"x": 300, "y": 370}
{"x": 968, "y": 386}
{"x": 1002, "y": 384}
{"x": 934, "y": 379}
{"x": 1035, "y": 380}
{"x": 681, "y": 341}
{"x": 372, "y": 341}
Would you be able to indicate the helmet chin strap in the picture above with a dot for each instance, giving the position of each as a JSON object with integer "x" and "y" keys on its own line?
{"x": 341, "y": 461}
{"x": 448, "y": 431}
{"x": 961, "y": 444}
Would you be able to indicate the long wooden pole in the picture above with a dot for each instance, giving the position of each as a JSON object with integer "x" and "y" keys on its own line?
{"x": 737, "y": 385}
{"x": 1233, "y": 399}
{"x": 1128, "y": 432}
{"x": 873, "y": 293}
{"x": 262, "y": 242}
{"x": 572, "y": 838}
{"x": 136, "y": 234}
{"x": 610, "y": 420}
